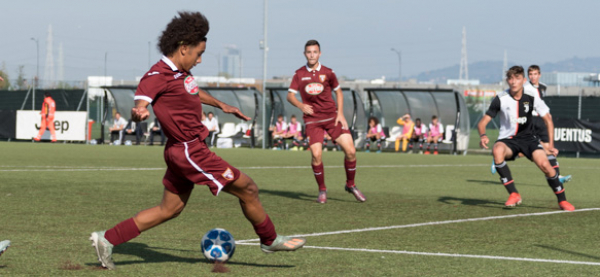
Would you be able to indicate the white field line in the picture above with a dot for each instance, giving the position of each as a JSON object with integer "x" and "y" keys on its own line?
{"x": 75, "y": 168}
{"x": 430, "y": 224}
{"x": 447, "y": 255}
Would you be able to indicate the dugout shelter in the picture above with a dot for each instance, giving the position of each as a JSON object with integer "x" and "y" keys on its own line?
{"x": 389, "y": 104}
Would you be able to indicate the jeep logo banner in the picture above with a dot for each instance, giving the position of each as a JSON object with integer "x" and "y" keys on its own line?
{"x": 68, "y": 125}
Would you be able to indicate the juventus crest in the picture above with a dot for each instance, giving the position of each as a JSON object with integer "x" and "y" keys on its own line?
{"x": 526, "y": 106}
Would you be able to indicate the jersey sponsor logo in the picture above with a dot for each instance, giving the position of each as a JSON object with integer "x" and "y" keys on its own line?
{"x": 521, "y": 120}
{"x": 153, "y": 73}
{"x": 190, "y": 85}
{"x": 306, "y": 79}
{"x": 526, "y": 106}
{"x": 228, "y": 174}
{"x": 322, "y": 77}
{"x": 573, "y": 134}
{"x": 314, "y": 88}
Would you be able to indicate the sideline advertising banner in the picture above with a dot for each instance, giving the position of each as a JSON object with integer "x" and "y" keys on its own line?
{"x": 575, "y": 135}
{"x": 69, "y": 125}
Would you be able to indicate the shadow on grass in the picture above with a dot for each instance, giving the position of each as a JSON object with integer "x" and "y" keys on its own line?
{"x": 470, "y": 202}
{"x": 568, "y": 251}
{"x": 480, "y": 203}
{"x": 299, "y": 195}
{"x": 488, "y": 182}
{"x": 150, "y": 255}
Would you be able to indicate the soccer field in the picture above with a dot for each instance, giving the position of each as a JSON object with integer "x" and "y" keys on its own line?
{"x": 425, "y": 215}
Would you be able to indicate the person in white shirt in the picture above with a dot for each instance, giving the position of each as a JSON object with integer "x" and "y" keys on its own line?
{"x": 212, "y": 124}
{"x": 119, "y": 124}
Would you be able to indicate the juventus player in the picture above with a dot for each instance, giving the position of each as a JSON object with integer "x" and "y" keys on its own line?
{"x": 517, "y": 136}
{"x": 535, "y": 88}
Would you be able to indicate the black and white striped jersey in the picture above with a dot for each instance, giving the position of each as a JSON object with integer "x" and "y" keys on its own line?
{"x": 539, "y": 91}
{"x": 516, "y": 115}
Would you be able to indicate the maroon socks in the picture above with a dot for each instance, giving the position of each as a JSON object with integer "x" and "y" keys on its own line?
{"x": 122, "y": 232}
{"x": 319, "y": 176}
{"x": 266, "y": 231}
{"x": 350, "y": 172}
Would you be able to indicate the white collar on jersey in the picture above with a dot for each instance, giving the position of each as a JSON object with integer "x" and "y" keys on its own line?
{"x": 318, "y": 68}
{"x": 169, "y": 63}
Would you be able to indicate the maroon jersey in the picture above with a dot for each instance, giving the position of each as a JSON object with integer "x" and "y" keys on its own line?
{"x": 173, "y": 94}
{"x": 315, "y": 87}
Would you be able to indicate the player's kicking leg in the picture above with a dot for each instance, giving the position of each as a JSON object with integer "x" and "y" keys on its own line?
{"x": 246, "y": 190}
{"x": 347, "y": 144}
{"x": 540, "y": 159}
{"x": 104, "y": 241}
{"x": 502, "y": 152}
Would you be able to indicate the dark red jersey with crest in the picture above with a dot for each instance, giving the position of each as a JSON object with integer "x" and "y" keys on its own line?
{"x": 173, "y": 94}
{"x": 315, "y": 88}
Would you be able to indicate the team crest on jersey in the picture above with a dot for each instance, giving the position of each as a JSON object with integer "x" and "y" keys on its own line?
{"x": 190, "y": 85}
{"x": 228, "y": 174}
{"x": 322, "y": 77}
{"x": 526, "y": 106}
{"x": 314, "y": 88}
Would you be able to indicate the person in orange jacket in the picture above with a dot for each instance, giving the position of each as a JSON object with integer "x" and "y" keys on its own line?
{"x": 48, "y": 109}
{"x": 407, "y": 132}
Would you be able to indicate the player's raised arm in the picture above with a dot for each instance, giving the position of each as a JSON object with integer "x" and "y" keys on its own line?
{"x": 208, "y": 99}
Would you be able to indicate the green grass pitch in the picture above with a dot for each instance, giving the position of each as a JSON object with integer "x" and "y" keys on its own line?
{"x": 53, "y": 195}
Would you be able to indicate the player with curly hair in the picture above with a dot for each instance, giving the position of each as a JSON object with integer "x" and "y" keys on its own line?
{"x": 177, "y": 103}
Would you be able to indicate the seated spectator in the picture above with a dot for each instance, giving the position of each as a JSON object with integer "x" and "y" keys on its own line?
{"x": 435, "y": 135}
{"x": 375, "y": 133}
{"x": 136, "y": 128}
{"x": 294, "y": 132}
{"x": 119, "y": 124}
{"x": 407, "y": 132}
{"x": 419, "y": 135}
{"x": 212, "y": 124}
{"x": 279, "y": 133}
{"x": 157, "y": 130}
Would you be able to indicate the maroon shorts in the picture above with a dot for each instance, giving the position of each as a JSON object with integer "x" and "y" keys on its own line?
{"x": 315, "y": 130}
{"x": 190, "y": 163}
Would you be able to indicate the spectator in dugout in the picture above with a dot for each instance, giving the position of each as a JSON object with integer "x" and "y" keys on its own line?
{"x": 327, "y": 137}
{"x": 279, "y": 132}
{"x": 435, "y": 135}
{"x": 212, "y": 124}
{"x": 407, "y": 131}
{"x": 419, "y": 135}
{"x": 134, "y": 128}
{"x": 375, "y": 133}
{"x": 117, "y": 128}
{"x": 294, "y": 132}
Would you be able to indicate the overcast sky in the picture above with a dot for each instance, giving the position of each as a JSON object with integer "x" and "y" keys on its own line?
{"x": 355, "y": 36}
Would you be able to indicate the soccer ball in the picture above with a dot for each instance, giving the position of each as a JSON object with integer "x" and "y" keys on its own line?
{"x": 218, "y": 245}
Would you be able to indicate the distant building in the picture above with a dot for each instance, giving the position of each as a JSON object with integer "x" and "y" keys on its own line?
{"x": 232, "y": 62}
{"x": 567, "y": 79}
{"x": 460, "y": 82}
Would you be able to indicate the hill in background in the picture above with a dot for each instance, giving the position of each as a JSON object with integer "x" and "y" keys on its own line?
{"x": 489, "y": 72}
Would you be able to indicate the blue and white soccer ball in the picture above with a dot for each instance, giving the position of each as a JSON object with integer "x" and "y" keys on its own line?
{"x": 218, "y": 245}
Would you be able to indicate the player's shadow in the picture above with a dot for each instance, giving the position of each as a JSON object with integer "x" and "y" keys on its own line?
{"x": 150, "y": 255}
{"x": 299, "y": 195}
{"x": 470, "y": 202}
{"x": 568, "y": 251}
{"x": 488, "y": 182}
{"x": 479, "y": 202}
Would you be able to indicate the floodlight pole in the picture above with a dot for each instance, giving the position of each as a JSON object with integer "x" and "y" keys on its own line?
{"x": 399, "y": 65}
{"x": 37, "y": 72}
{"x": 265, "y": 49}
